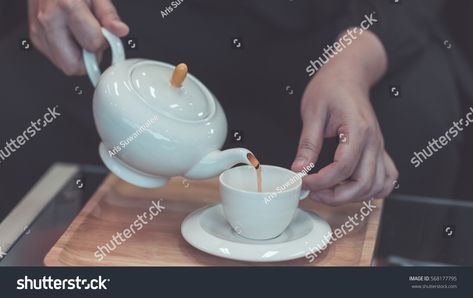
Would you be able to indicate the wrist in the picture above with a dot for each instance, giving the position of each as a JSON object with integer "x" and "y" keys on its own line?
{"x": 360, "y": 65}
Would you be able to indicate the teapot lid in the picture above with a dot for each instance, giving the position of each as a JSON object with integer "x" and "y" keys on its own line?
{"x": 189, "y": 102}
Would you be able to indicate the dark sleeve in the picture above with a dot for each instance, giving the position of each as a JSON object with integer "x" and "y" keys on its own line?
{"x": 405, "y": 28}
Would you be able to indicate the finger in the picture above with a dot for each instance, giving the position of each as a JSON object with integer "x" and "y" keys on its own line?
{"x": 35, "y": 29}
{"x": 391, "y": 177}
{"x": 32, "y": 10}
{"x": 64, "y": 51}
{"x": 347, "y": 156}
{"x": 380, "y": 178}
{"x": 108, "y": 17}
{"x": 99, "y": 57}
{"x": 84, "y": 26}
{"x": 38, "y": 39}
{"x": 361, "y": 183}
{"x": 391, "y": 169}
{"x": 387, "y": 188}
{"x": 322, "y": 196}
{"x": 310, "y": 142}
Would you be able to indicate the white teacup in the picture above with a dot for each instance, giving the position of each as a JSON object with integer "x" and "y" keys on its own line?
{"x": 260, "y": 215}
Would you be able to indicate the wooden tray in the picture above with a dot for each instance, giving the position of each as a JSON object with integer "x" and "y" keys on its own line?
{"x": 116, "y": 204}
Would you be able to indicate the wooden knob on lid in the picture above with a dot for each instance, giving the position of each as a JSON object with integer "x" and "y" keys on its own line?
{"x": 179, "y": 75}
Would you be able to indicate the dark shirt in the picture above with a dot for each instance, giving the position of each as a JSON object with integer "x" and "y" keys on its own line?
{"x": 259, "y": 85}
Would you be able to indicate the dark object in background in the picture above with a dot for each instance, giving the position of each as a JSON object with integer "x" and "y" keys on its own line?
{"x": 424, "y": 231}
{"x": 48, "y": 226}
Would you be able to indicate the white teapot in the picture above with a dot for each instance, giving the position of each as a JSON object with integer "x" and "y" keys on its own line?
{"x": 156, "y": 121}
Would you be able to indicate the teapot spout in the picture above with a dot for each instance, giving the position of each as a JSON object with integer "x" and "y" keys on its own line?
{"x": 218, "y": 161}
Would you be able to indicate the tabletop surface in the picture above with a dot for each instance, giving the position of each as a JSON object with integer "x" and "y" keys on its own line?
{"x": 116, "y": 204}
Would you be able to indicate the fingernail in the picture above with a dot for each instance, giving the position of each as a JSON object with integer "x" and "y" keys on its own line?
{"x": 122, "y": 27}
{"x": 299, "y": 163}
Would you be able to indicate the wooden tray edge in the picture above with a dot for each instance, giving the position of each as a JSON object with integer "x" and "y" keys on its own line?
{"x": 52, "y": 257}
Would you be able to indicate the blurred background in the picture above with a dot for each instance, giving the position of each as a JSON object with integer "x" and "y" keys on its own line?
{"x": 263, "y": 109}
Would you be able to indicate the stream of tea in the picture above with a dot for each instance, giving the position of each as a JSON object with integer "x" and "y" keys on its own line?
{"x": 255, "y": 163}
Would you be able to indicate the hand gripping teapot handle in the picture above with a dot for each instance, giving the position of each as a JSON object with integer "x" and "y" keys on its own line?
{"x": 118, "y": 55}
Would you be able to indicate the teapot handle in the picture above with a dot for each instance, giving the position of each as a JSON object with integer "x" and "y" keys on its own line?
{"x": 118, "y": 55}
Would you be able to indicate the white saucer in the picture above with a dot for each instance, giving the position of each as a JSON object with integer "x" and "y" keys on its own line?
{"x": 208, "y": 230}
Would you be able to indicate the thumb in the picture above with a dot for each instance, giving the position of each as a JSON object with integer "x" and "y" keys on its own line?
{"x": 310, "y": 144}
{"x": 108, "y": 17}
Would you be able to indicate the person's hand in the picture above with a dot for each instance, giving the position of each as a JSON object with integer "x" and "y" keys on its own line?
{"x": 337, "y": 102}
{"x": 61, "y": 28}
